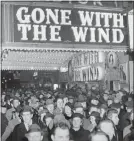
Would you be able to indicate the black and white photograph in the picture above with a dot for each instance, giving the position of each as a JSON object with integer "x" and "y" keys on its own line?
{"x": 67, "y": 70}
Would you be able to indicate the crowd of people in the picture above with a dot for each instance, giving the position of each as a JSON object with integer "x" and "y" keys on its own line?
{"x": 71, "y": 115}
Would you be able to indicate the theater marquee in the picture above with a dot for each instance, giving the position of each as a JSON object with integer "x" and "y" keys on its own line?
{"x": 44, "y": 25}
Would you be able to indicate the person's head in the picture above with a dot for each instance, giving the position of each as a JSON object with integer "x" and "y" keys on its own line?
{"x": 48, "y": 118}
{"x": 109, "y": 102}
{"x": 33, "y": 102}
{"x": 41, "y": 96}
{"x": 77, "y": 120}
{"x": 129, "y": 106}
{"x": 82, "y": 100}
{"x": 116, "y": 106}
{"x": 59, "y": 103}
{"x": 3, "y": 109}
{"x": 27, "y": 114}
{"x": 32, "y": 97}
{"x": 107, "y": 127}
{"x": 37, "y": 103}
{"x": 112, "y": 114}
{"x": 119, "y": 95}
{"x": 105, "y": 96}
{"x": 93, "y": 108}
{"x": 116, "y": 100}
{"x": 15, "y": 102}
{"x": 98, "y": 136}
{"x": 89, "y": 93}
{"x": 16, "y": 113}
{"x": 94, "y": 118}
{"x": 50, "y": 105}
{"x": 17, "y": 94}
{"x": 65, "y": 100}
{"x": 40, "y": 108}
{"x": 7, "y": 99}
{"x": 43, "y": 113}
{"x": 130, "y": 98}
{"x": 78, "y": 108}
{"x": 71, "y": 99}
{"x": 95, "y": 101}
{"x": 129, "y": 109}
{"x": 68, "y": 109}
{"x": 60, "y": 132}
{"x": 3, "y": 97}
{"x": 34, "y": 133}
{"x": 103, "y": 110}
{"x": 84, "y": 104}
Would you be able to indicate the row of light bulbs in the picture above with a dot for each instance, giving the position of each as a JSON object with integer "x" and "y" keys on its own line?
{"x": 62, "y": 69}
{"x": 55, "y": 57}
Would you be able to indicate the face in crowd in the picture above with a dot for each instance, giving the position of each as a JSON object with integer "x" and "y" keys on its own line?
{"x": 79, "y": 110}
{"x": 105, "y": 96}
{"x": 92, "y": 120}
{"x": 3, "y": 98}
{"x": 102, "y": 112}
{"x": 68, "y": 110}
{"x": 65, "y": 100}
{"x": 61, "y": 134}
{"x": 115, "y": 119}
{"x": 116, "y": 100}
{"x": 15, "y": 115}
{"x": 84, "y": 104}
{"x": 71, "y": 100}
{"x": 16, "y": 103}
{"x": 93, "y": 109}
{"x": 77, "y": 122}
{"x": 40, "y": 109}
{"x": 27, "y": 117}
{"x": 95, "y": 101}
{"x": 60, "y": 103}
{"x": 17, "y": 94}
{"x": 118, "y": 109}
{"x": 48, "y": 120}
{"x": 42, "y": 116}
{"x": 50, "y": 108}
{"x": 36, "y": 105}
{"x": 129, "y": 109}
{"x": 41, "y": 96}
{"x": 109, "y": 102}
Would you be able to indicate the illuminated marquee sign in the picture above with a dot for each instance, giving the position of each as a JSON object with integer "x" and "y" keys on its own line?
{"x": 41, "y": 25}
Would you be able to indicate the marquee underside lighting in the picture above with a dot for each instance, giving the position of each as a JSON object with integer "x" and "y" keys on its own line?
{"x": 40, "y": 59}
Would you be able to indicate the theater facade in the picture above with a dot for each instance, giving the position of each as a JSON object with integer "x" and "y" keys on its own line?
{"x": 83, "y": 42}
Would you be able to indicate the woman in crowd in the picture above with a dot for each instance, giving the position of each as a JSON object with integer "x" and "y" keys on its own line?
{"x": 94, "y": 120}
